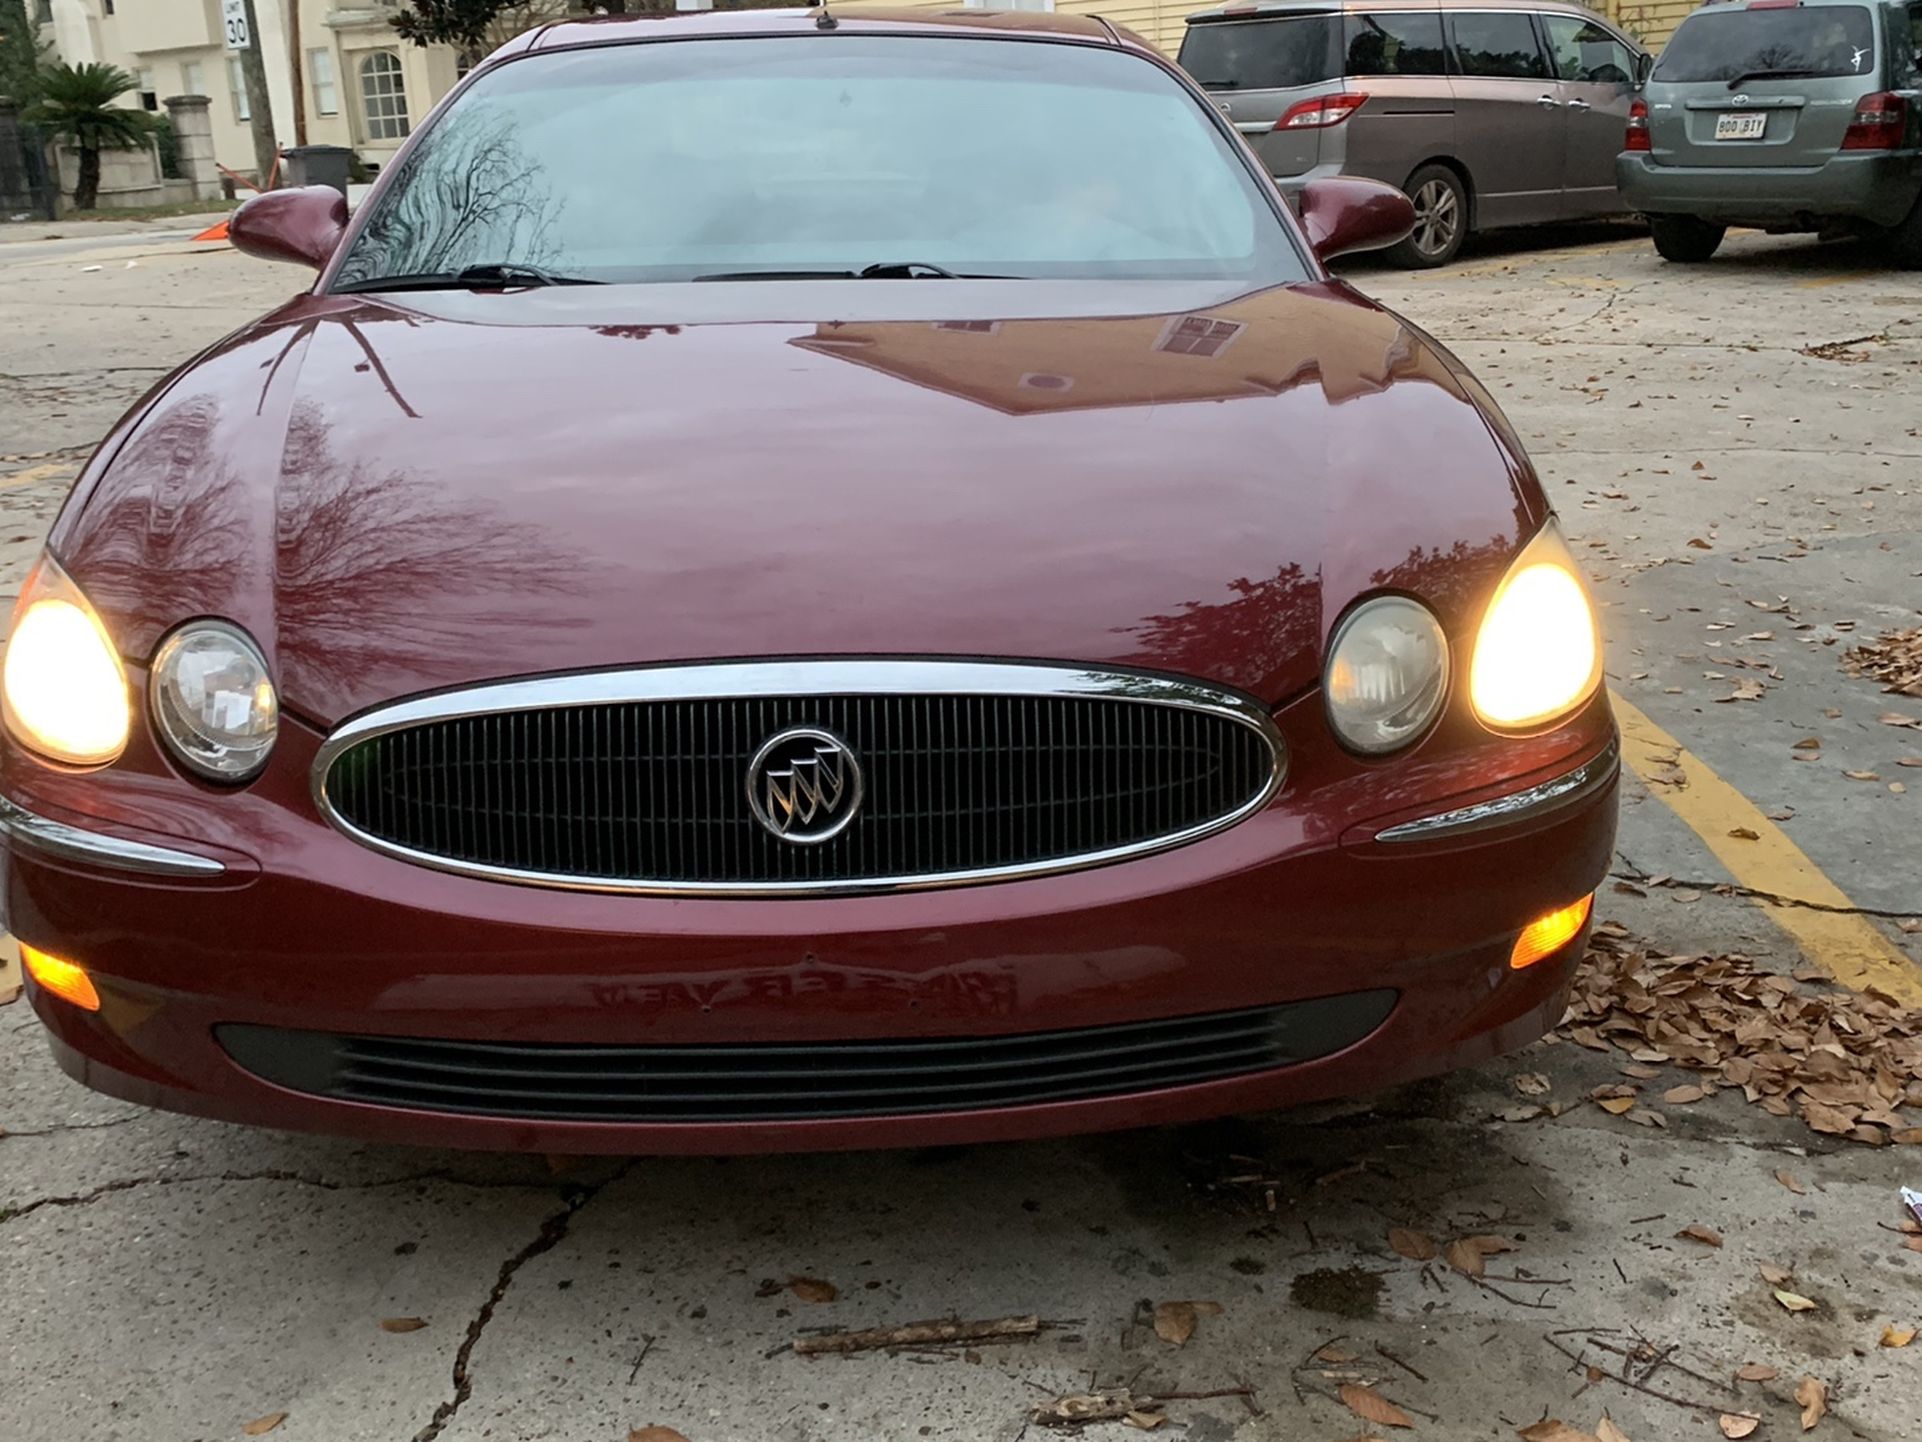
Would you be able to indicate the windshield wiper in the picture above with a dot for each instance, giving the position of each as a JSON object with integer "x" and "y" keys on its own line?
{"x": 492, "y": 275}
{"x": 1748, "y": 75}
{"x": 880, "y": 270}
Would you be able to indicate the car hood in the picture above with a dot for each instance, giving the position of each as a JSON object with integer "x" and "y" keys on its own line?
{"x": 404, "y": 493}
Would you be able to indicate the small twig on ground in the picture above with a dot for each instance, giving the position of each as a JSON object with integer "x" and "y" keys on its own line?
{"x": 1487, "y": 1286}
{"x": 647, "y": 1345}
{"x": 917, "y": 1334}
{"x": 1399, "y": 1363}
{"x": 1666, "y": 1359}
{"x": 1641, "y": 1387}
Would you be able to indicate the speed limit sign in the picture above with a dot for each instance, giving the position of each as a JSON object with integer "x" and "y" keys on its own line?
{"x": 233, "y": 14}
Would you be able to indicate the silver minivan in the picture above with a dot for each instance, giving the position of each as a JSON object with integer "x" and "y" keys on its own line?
{"x": 1487, "y": 113}
{"x": 1783, "y": 114}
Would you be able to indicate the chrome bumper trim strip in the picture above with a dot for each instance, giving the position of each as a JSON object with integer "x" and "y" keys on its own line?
{"x": 95, "y": 848}
{"x": 1563, "y": 790}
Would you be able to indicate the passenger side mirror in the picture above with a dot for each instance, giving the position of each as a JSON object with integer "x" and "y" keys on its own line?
{"x": 1644, "y": 63}
{"x": 302, "y": 225}
{"x": 1346, "y": 215}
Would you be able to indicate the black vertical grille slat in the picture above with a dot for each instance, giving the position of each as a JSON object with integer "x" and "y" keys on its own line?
{"x": 654, "y": 792}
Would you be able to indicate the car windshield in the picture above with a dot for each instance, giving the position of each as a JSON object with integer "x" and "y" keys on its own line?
{"x": 901, "y": 156}
{"x": 1261, "y": 54}
{"x": 1810, "y": 41}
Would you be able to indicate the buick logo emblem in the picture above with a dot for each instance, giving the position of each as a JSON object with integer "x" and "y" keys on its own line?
{"x": 804, "y": 785}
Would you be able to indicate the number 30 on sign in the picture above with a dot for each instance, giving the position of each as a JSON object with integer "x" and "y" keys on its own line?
{"x": 234, "y": 14}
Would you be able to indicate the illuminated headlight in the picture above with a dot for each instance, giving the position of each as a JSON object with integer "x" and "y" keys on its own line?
{"x": 1538, "y": 654}
{"x": 65, "y": 692}
{"x": 213, "y": 702}
{"x": 1387, "y": 674}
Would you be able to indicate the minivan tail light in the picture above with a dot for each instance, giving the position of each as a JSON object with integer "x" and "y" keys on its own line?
{"x": 1638, "y": 137}
{"x": 1321, "y": 112}
{"x": 1879, "y": 122}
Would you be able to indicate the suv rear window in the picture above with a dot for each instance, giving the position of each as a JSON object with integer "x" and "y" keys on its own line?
{"x": 1807, "y": 42}
{"x": 1261, "y": 54}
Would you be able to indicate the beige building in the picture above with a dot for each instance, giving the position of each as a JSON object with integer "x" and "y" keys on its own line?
{"x": 360, "y": 84}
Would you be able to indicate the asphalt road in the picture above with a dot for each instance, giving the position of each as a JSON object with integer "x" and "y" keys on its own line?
{"x": 1748, "y": 492}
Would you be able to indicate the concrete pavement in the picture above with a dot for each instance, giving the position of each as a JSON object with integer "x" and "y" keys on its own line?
{"x": 166, "y": 1278}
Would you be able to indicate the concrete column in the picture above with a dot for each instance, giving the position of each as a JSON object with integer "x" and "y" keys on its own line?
{"x": 195, "y": 131}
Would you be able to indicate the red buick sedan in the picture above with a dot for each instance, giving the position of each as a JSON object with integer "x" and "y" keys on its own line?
{"x": 804, "y": 583}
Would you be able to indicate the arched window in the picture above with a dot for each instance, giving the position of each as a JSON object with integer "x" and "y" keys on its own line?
{"x": 383, "y": 96}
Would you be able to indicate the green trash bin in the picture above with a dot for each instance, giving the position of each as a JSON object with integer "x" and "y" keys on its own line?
{"x": 318, "y": 165}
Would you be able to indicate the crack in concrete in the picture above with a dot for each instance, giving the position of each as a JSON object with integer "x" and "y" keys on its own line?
{"x": 1638, "y": 877}
{"x": 552, "y": 1233}
{"x": 58, "y": 1127}
{"x": 125, "y": 1184}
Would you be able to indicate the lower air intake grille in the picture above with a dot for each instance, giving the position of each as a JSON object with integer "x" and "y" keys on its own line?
{"x": 752, "y": 1082}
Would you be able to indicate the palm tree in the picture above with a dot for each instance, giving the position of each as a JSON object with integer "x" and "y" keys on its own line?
{"x": 76, "y": 103}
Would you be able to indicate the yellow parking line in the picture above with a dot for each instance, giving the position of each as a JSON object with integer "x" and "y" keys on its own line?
{"x": 58, "y": 469}
{"x": 1760, "y": 856}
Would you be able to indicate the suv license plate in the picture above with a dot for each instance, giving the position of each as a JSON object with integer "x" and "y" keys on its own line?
{"x": 1740, "y": 127}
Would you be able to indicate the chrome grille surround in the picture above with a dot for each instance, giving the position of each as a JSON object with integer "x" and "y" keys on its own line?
{"x": 901, "y": 680}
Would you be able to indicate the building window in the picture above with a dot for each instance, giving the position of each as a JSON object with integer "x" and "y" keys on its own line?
{"x": 106, "y": 6}
{"x": 143, "y": 82}
{"x": 1198, "y": 335}
{"x": 192, "y": 79}
{"x": 383, "y": 96}
{"x": 320, "y": 66}
{"x": 237, "y": 87}
{"x": 43, "y": 12}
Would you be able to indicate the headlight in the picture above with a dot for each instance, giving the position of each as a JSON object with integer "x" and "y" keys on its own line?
{"x": 1538, "y": 655}
{"x": 65, "y": 692}
{"x": 1387, "y": 673}
{"x": 213, "y": 701}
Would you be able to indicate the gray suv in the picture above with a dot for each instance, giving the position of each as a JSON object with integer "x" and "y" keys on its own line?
{"x": 1491, "y": 113}
{"x": 1786, "y": 115}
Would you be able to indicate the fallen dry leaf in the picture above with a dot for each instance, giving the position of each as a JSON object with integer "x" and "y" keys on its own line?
{"x": 1794, "y": 1301}
{"x": 1735, "y": 1424}
{"x": 1744, "y": 833}
{"x": 655, "y": 1434}
{"x": 1175, "y": 1322}
{"x": 1894, "y": 1336}
{"x": 1894, "y": 659}
{"x": 1336, "y": 1356}
{"x": 1681, "y": 1096}
{"x": 1707, "y": 1236}
{"x": 1788, "y": 1180}
{"x": 1813, "y": 1394}
{"x": 1467, "y": 1255}
{"x": 1369, "y": 1405}
{"x": 813, "y": 1289}
{"x": 1551, "y": 1429}
{"x": 1756, "y": 1372}
{"x": 1533, "y": 1084}
{"x": 402, "y": 1324}
{"x": 1409, "y": 1243}
{"x": 1775, "y": 1276}
{"x": 1616, "y": 1106}
{"x": 261, "y": 1426}
{"x": 1861, "y": 775}
{"x": 1607, "y": 1431}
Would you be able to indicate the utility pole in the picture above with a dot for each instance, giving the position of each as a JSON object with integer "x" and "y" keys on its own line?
{"x": 295, "y": 60}
{"x": 243, "y": 38}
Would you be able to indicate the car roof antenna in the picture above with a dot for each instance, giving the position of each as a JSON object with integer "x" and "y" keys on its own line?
{"x": 824, "y": 21}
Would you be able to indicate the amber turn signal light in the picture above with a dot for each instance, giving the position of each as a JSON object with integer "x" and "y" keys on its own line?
{"x": 62, "y": 978}
{"x": 1547, "y": 934}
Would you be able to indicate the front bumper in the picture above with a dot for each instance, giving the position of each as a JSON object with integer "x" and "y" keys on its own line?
{"x": 303, "y": 931}
{"x": 1878, "y": 187}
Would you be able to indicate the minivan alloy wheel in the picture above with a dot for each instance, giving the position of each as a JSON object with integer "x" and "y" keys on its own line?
{"x": 1438, "y": 216}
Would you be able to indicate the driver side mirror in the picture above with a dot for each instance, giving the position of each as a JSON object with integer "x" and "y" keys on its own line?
{"x": 302, "y": 225}
{"x": 1345, "y": 215}
{"x": 1644, "y": 64}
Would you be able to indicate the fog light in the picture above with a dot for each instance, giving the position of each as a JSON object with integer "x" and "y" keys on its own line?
{"x": 1547, "y": 934}
{"x": 62, "y": 978}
